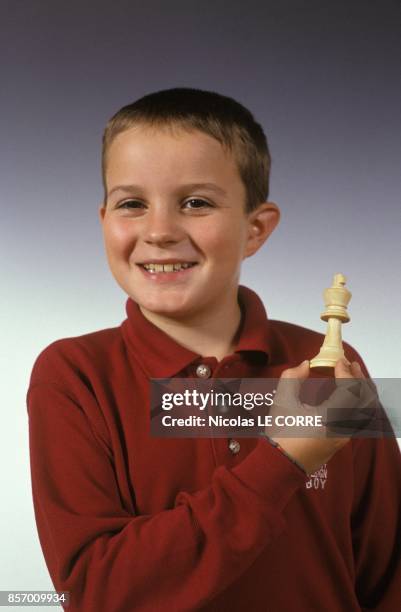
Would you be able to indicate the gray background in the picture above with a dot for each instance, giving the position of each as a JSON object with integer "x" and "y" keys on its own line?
{"x": 321, "y": 77}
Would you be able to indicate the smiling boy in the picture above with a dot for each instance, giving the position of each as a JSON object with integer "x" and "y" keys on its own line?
{"x": 130, "y": 522}
{"x": 176, "y": 197}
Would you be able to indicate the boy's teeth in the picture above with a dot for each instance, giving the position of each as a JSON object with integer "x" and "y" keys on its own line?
{"x": 153, "y": 267}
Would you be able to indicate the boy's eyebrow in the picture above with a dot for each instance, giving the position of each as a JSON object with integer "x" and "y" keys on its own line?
{"x": 190, "y": 186}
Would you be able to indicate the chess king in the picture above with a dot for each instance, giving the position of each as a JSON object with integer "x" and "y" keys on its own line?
{"x": 336, "y": 299}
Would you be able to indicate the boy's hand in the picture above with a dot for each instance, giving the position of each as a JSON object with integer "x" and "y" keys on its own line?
{"x": 311, "y": 453}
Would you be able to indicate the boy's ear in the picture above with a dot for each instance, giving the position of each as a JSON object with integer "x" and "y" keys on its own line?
{"x": 102, "y": 210}
{"x": 261, "y": 223}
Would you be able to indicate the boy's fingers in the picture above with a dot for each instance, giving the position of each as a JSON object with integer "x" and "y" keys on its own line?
{"x": 346, "y": 370}
{"x": 343, "y": 369}
{"x": 289, "y": 385}
{"x": 358, "y": 373}
{"x": 348, "y": 390}
{"x": 356, "y": 370}
{"x": 351, "y": 406}
{"x": 301, "y": 371}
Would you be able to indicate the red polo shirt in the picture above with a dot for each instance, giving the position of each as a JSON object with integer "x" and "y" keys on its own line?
{"x": 129, "y": 522}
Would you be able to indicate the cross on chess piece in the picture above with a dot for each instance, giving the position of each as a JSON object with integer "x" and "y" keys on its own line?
{"x": 336, "y": 300}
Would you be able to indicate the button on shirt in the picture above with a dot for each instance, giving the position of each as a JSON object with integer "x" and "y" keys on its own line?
{"x": 234, "y": 446}
{"x": 133, "y": 522}
{"x": 203, "y": 371}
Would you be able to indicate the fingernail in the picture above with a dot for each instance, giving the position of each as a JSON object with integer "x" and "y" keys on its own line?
{"x": 357, "y": 366}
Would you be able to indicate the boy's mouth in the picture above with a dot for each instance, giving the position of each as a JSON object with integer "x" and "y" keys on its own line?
{"x": 157, "y": 268}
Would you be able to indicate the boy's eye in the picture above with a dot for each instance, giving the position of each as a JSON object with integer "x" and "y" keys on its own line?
{"x": 131, "y": 204}
{"x": 193, "y": 204}
{"x": 196, "y": 204}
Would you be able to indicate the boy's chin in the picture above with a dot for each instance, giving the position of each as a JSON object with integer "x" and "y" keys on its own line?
{"x": 170, "y": 311}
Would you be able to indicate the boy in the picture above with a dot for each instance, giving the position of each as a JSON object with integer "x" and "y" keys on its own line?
{"x": 130, "y": 522}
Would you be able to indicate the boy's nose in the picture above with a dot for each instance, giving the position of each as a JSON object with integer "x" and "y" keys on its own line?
{"x": 162, "y": 227}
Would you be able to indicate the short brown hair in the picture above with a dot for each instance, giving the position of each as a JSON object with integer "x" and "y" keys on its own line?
{"x": 218, "y": 116}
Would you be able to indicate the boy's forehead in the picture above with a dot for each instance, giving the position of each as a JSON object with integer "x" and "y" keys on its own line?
{"x": 156, "y": 138}
{"x": 146, "y": 150}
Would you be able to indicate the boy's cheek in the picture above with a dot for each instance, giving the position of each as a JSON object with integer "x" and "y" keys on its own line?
{"x": 119, "y": 234}
{"x": 227, "y": 239}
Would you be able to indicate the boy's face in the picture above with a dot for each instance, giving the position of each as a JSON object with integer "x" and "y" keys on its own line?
{"x": 174, "y": 224}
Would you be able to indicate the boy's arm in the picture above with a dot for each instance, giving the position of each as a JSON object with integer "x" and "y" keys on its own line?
{"x": 376, "y": 517}
{"x": 376, "y": 524}
{"x": 177, "y": 559}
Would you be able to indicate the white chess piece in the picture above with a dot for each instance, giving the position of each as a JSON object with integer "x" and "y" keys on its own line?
{"x": 336, "y": 299}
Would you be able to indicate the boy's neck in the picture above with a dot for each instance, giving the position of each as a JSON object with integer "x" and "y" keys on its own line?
{"x": 209, "y": 336}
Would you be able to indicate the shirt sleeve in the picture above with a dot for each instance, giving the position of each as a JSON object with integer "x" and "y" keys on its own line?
{"x": 376, "y": 513}
{"x": 376, "y": 524}
{"x": 177, "y": 559}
